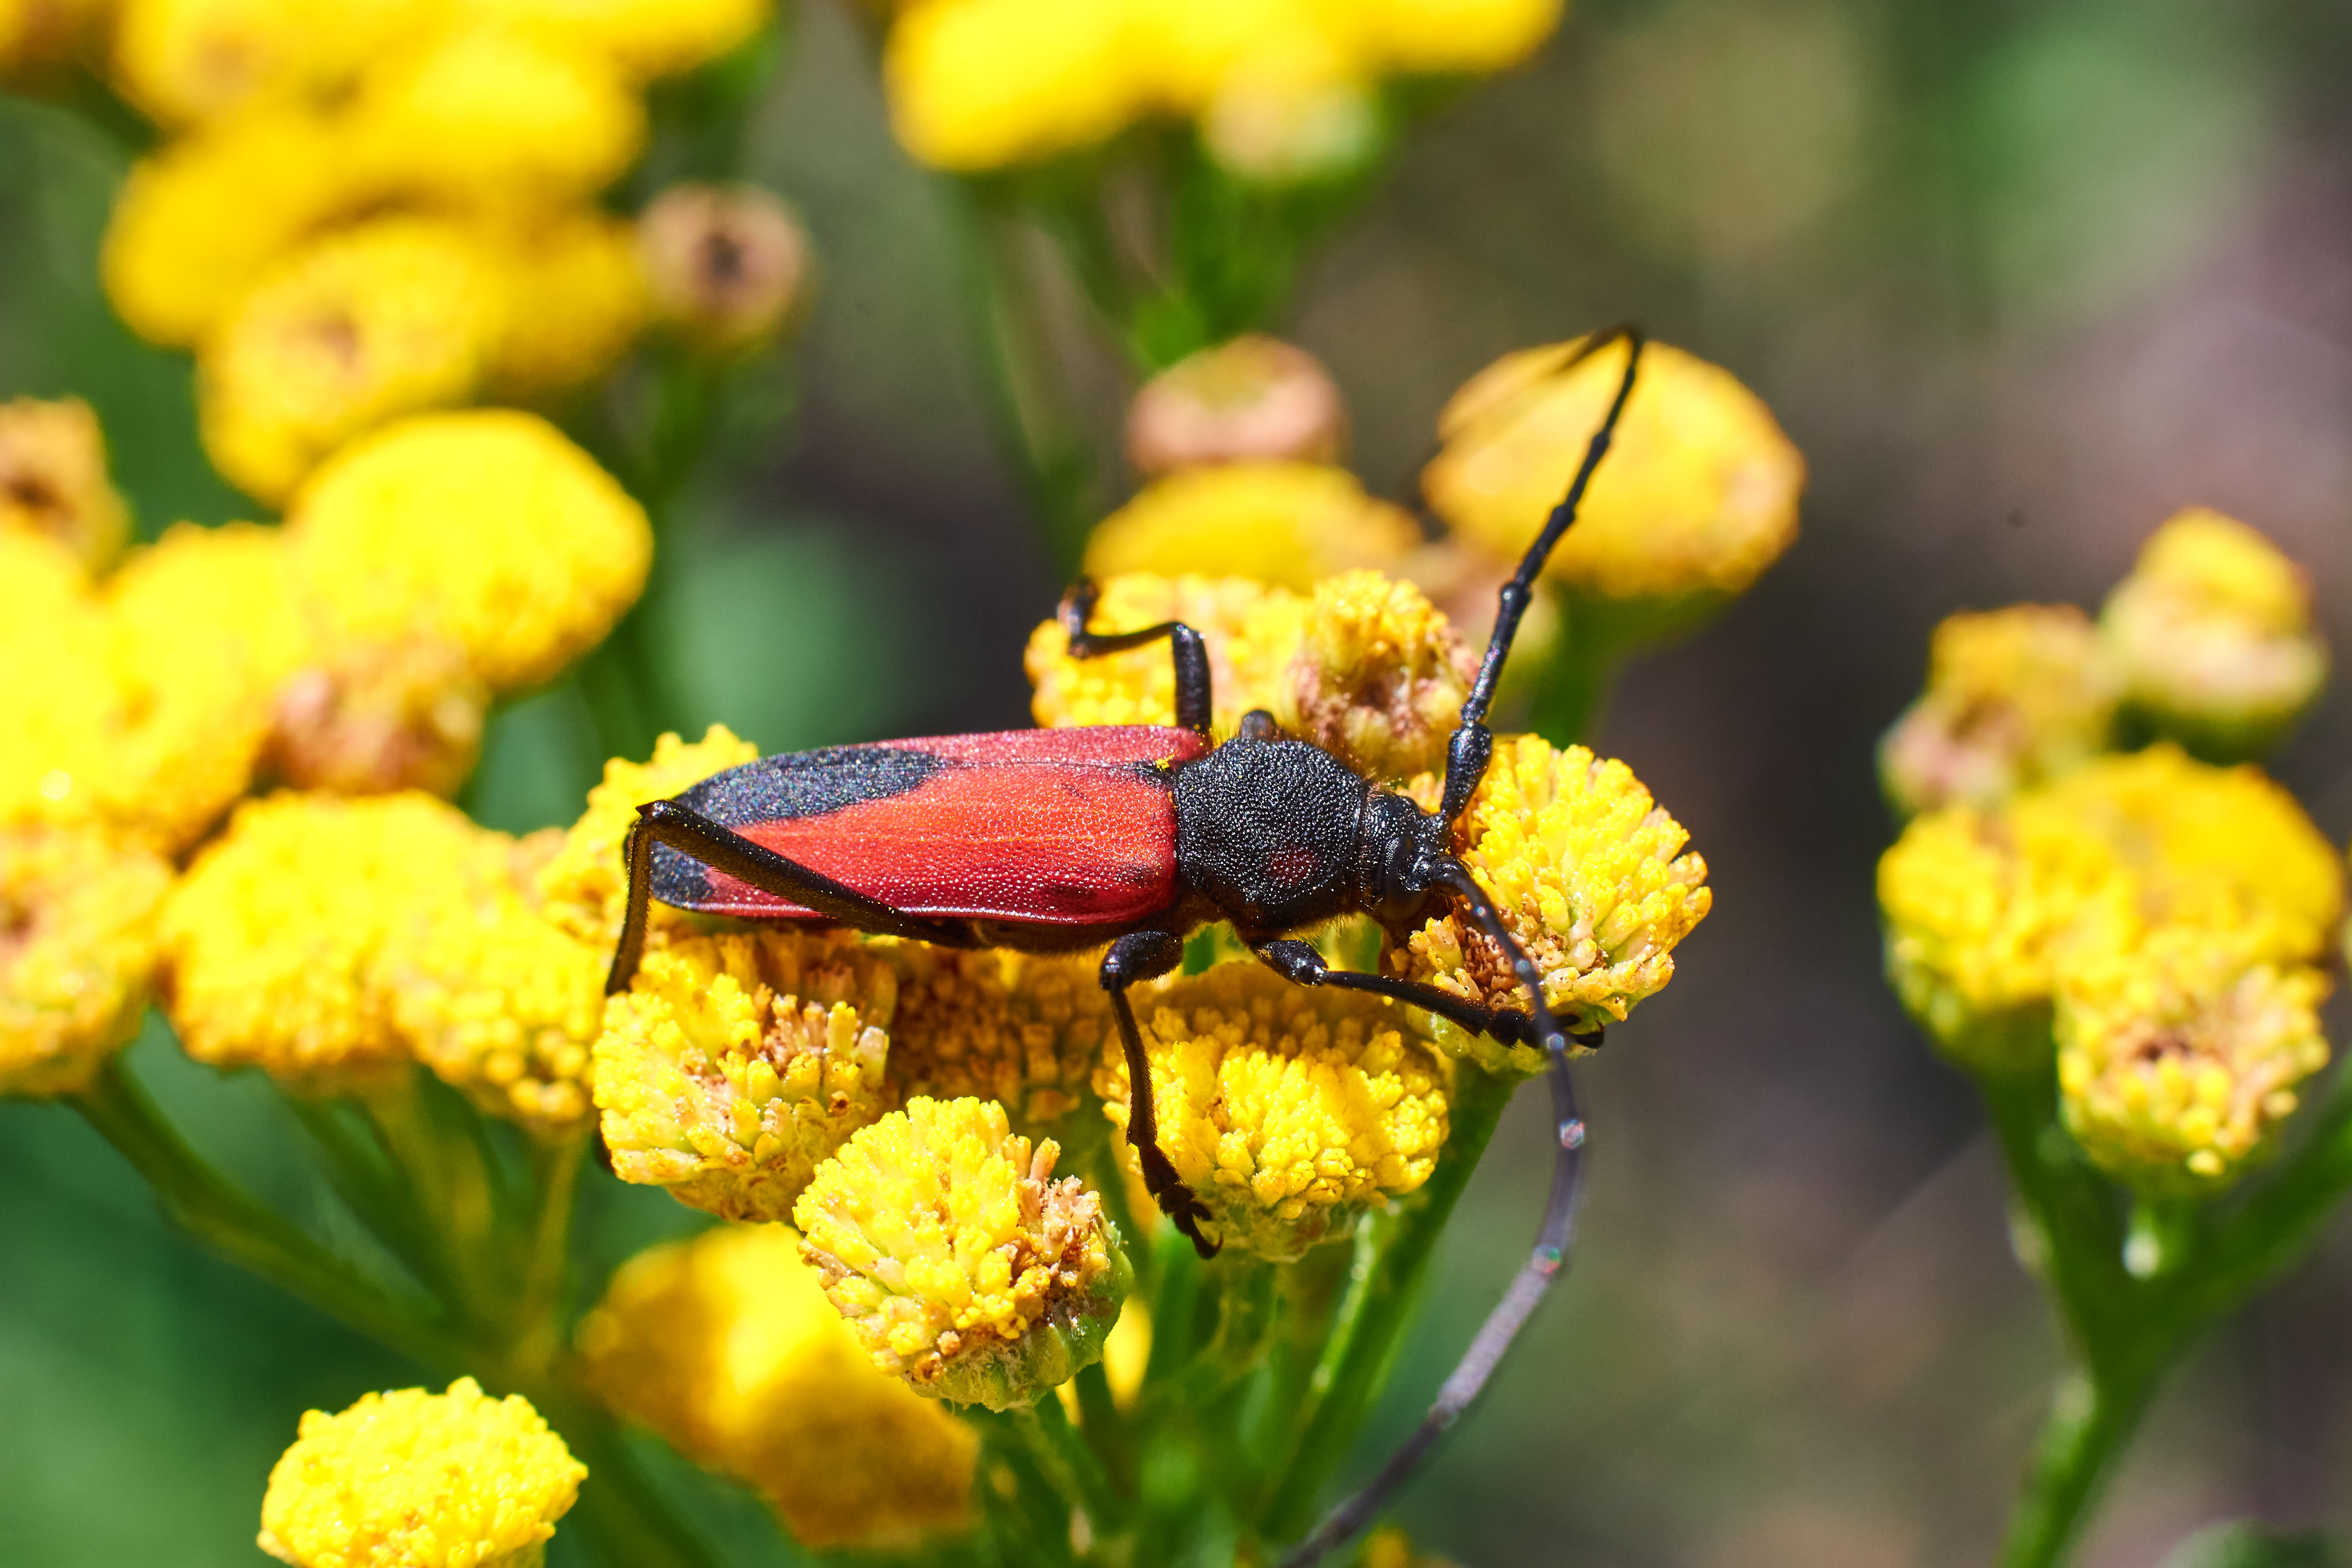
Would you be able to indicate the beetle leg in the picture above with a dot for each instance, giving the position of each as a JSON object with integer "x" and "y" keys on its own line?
{"x": 1192, "y": 654}
{"x": 1140, "y": 955}
{"x": 1300, "y": 963}
{"x": 696, "y": 836}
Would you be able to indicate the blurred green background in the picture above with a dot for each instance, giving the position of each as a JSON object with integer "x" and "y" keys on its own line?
{"x": 2019, "y": 278}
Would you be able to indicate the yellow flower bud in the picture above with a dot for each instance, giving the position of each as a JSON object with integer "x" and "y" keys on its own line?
{"x": 727, "y": 1346}
{"x": 734, "y": 1064}
{"x": 191, "y": 61}
{"x": 1286, "y": 523}
{"x": 1019, "y": 1029}
{"x": 2180, "y": 1055}
{"x": 1697, "y": 497}
{"x": 53, "y": 478}
{"x": 351, "y": 330}
{"x": 1284, "y": 118}
{"x": 572, "y": 301}
{"x": 59, "y": 762}
{"x": 425, "y": 1478}
{"x": 372, "y": 720}
{"x": 485, "y": 528}
{"x": 644, "y": 37}
{"x": 1456, "y": 36}
{"x": 1588, "y": 872}
{"x": 1249, "y": 399}
{"x": 2013, "y": 697}
{"x": 585, "y": 886}
{"x": 959, "y": 1261}
{"x": 1287, "y": 1112}
{"x": 977, "y": 84}
{"x": 729, "y": 266}
{"x": 76, "y": 949}
{"x": 2213, "y": 637}
{"x": 1379, "y": 678}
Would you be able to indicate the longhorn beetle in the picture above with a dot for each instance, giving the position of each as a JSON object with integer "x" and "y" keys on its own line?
{"x": 1064, "y": 840}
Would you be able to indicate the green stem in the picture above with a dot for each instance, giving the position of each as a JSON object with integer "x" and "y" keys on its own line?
{"x": 555, "y": 1182}
{"x": 1072, "y": 1468}
{"x": 194, "y": 1197}
{"x": 2091, "y": 1422}
{"x": 1372, "y": 1319}
{"x": 623, "y": 1515}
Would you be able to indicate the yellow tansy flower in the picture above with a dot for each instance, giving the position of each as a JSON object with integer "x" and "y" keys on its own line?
{"x": 734, "y": 1064}
{"x": 486, "y": 528}
{"x": 2013, "y": 697}
{"x": 1022, "y": 1030}
{"x": 644, "y": 37}
{"x": 977, "y": 84}
{"x": 585, "y": 884}
{"x": 959, "y": 1261}
{"x": 2213, "y": 637}
{"x": 727, "y": 1346}
{"x": 2179, "y": 1057}
{"x": 185, "y": 61}
{"x": 1286, "y": 1111}
{"x": 1286, "y": 523}
{"x": 76, "y": 949}
{"x": 363, "y": 324}
{"x": 432, "y": 1480}
{"x": 370, "y": 718}
{"x": 37, "y": 36}
{"x": 1248, "y": 399}
{"x": 1697, "y": 497}
{"x": 53, "y": 478}
{"x": 1253, "y": 634}
{"x": 1589, "y": 873}
{"x": 574, "y": 298}
{"x": 61, "y": 702}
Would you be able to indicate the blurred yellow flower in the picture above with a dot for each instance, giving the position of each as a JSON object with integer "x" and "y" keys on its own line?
{"x": 959, "y": 1261}
{"x": 485, "y": 528}
{"x": 191, "y": 60}
{"x": 2013, "y": 697}
{"x": 359, "y": 326}
{"x": 572, "y": 299}
{"x": 77, "y": 950}
{"x": 1588, "y": 872}
{"x": 2178, "y": 1056}
{"x": 1253, "y": 634}
{"x": 644, "y": 37}
{"x": 53, "y": 478}
{"x": 62, "y": 705}
{"x": 2213, "y": 637}
{"x": 734, "y": 1064}
{"x": 585, "y": 887}
{"x": 1288, "y": 523}
{"x": 430, "y": 1479}
{"x": 1697, "y": 498}
{"x": 1287, "y": 1112}
{"x": 1022, "y": 1030}
{"x": 370, "y": 718}
{"x": 1248, "y": 399}
{"x": 37, "y": 36}
{"x": 727, "y": 1346}
{"x": 977, "y": 84}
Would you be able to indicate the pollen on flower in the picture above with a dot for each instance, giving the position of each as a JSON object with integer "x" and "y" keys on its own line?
{"x": 1287, "y": 1112}
{"x": 484, "y": 528}
{"x": 1380, "y": 677}
{"x": 416, "y": 1477}
{"x": 1286, "y": 523}
{"x": 53, "y": 478}
{"x": 726, "y": 1345}
{"x": 2179, "y": 1055}
{"x": 1022, "y": 1030}
{"x": 1590, "y": 874}
{"x": 2013, "y": 697}
{"x": 1697, "y": 498}
{"x": 585, "y": 884}
{"x": 959, "y": 1261}
{"x": 735, "y": 1063}
{"x": 1253, "y": 634}
{"x": 77, "y": 950}
{"x": 2213, "y": 637}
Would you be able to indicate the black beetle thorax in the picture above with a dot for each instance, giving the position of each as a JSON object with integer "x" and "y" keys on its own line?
{"x": 1267, "y": 831}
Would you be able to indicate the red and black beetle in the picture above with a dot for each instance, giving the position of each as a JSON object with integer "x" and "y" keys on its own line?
{"x": 1132, "y": 835}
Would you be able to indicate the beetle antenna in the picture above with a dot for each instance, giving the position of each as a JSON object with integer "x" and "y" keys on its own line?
{"x": 1553, "y": 1238}
{"x": 1474, "y": 743}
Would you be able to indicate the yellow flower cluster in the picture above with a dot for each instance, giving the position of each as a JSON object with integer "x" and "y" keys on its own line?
{"x": 1363, "y": 666}
{"x": 1697, "y": 497}
{"x": 1281, "y": 89}
{"x": 961, "y": 1265}
{"x": 37, "y": 36}
{"x": 1288, "y": 1113}
{"x": 1588, "y": 872}
{"x": 2013, "y": 697}
{"x": 53, "y": 479}
{"x": 2167, "y": 918}
{"x": 77, "y": 952}
{"x": 440, "y": 1480}
{"x": 368, "y": 210}
{"x": 2212, "y": 636}
{"x": 332, "y": 941}
{"x": 1021, "y": 1030}
{"x": 1288, "y": 523}
{"x": 727, "y": 1346}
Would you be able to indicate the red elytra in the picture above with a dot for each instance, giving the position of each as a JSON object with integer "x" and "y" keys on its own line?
{"x": 1050, "y": 826}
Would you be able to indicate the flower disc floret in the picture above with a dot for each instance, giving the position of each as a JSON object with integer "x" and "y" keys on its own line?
{"x": 412, "y": 1479}
{"x": 1588, "y": 872}
{"x": 727, "y": 1346}
{"x": 585, "y": 884}
{"x": 2013, "y": 697}
{"x": 1286, "y": 523}
{"x": 1378, "y": 678}
{"x": 77, "y": 950}
{"x": 961, "y": 1265}
{"x": 734, "y": 1064}
{"x": 1287, "y": 1112}
{"x": 1022, "y": 1030}
{"x": 485, "y": 528}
